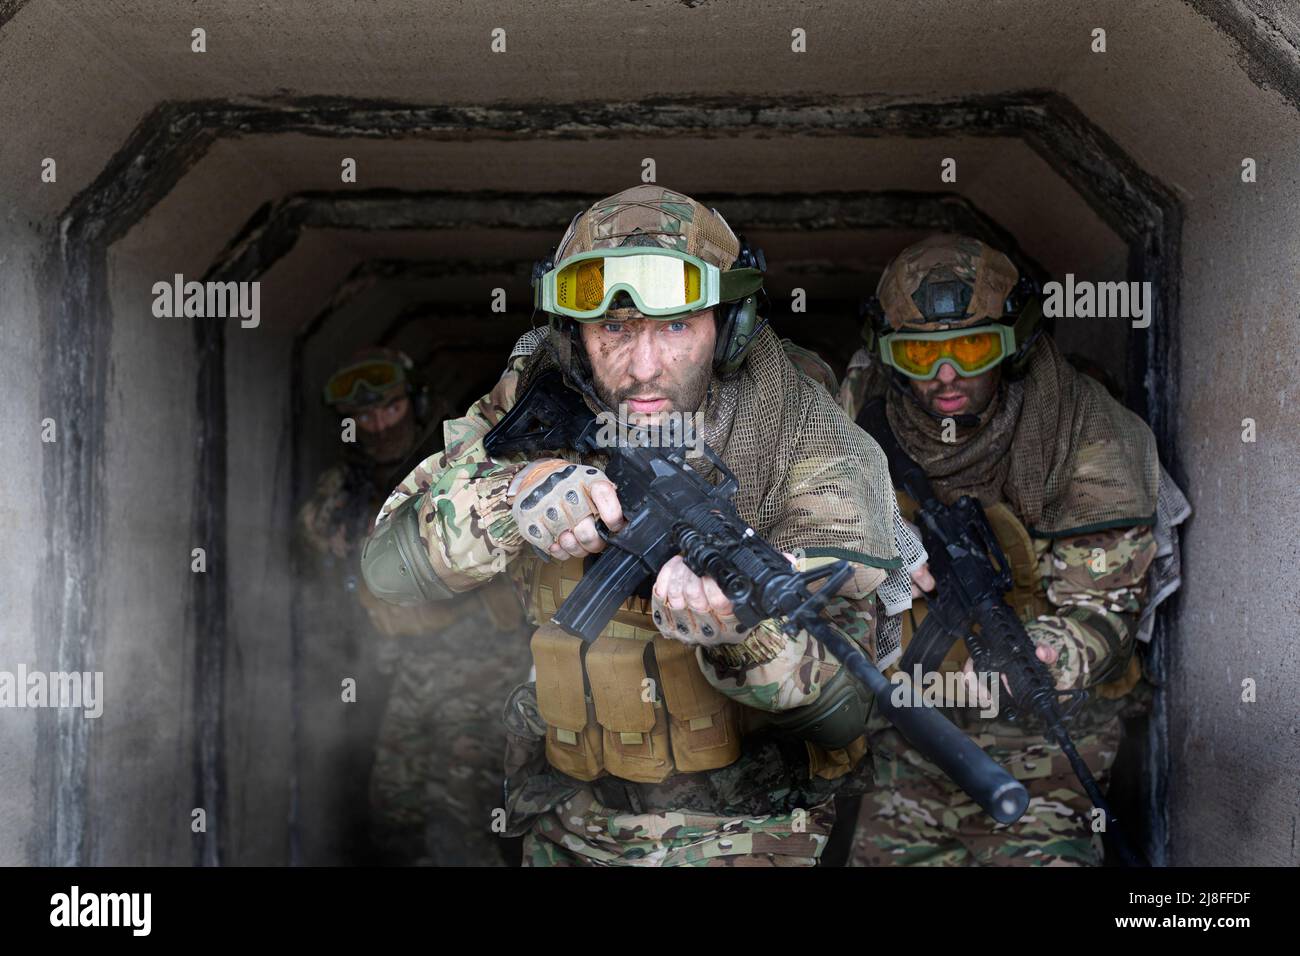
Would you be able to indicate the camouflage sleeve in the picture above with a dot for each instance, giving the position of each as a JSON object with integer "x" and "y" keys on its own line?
{"x": 852, "y": 394}
{"x": 316, "y": 525}
{"x": 861, "y": 382}
{"x": 1097, "y": 583}
{"x": 465, "y": 521}
{"x": 786, "y": 672}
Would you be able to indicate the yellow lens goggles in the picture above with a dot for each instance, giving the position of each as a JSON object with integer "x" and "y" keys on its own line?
{"x": 660, "y": 282}
{"x": 364, "y": 382}
{"x": 970, "y": 351}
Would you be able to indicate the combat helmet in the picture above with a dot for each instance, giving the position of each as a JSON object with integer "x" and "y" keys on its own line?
{"x": 666, "y": 253}
{"x": 937, "y": 289}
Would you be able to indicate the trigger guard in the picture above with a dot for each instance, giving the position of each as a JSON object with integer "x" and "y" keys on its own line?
{"x": 1077, "y": 699}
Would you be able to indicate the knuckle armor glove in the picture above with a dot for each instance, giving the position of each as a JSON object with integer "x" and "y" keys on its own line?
{"x": 696, "y": 627}
{"x": 552, "y": 496}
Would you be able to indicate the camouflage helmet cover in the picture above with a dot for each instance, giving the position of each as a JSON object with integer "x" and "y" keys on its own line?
{"x": 944, "y": 258}
{"x": 651, "y": 215}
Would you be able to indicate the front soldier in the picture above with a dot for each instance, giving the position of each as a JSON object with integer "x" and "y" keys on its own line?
{"x": 439, "y": 750}
{"x": 671, "y": 739}
{"x": 982, "y": 400}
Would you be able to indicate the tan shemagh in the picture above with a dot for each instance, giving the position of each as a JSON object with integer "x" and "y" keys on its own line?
{"x": 976, "y": 462}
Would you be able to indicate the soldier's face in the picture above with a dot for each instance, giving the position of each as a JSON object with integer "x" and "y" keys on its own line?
{"x": 653, "y": 366}
{"x": 951, "y": 394}
{"x": 387, "y": 431}
{"x": 376, "y": 418}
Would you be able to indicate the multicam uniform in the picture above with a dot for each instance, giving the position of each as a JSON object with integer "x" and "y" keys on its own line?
{"x": 438, "y": 754}
{"x": 600, "y": 771}
{"x": 1068, "y": 480}
{"x": 918, "y": 817}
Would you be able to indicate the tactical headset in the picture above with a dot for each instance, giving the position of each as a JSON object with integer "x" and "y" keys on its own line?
{"x": 1022, "y": 310}
{"x": 417, "y": 389}
{"x": 743, "y": 319}
{"x": 738, "y": 323}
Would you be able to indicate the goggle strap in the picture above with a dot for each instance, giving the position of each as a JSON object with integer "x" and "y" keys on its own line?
{"x": 736, "y": 284}
{"x": 1026, "y": 322}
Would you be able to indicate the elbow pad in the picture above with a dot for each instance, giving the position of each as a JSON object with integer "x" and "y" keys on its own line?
{"x": 834, "y": 720}
{"x": 395, "y": 564}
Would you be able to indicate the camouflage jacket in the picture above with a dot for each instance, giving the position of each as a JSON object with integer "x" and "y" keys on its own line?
{"x": 331, "y": 528}
{"x": 471, "y": 535}
{"x": 332, "y": 522}
{"x": 1094, "y": 584}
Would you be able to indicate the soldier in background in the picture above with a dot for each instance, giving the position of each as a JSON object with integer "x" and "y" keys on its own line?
{"x": 438, "y": 759}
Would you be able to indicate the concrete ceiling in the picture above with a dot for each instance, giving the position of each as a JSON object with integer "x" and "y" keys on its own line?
{"x": 1159, "y": 53}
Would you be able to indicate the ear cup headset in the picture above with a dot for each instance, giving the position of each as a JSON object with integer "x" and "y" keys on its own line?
{"x": 741, "y": 321}
{"x": 417, "y": 389}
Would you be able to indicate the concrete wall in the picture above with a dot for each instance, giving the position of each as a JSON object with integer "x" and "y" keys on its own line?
{"x": 258, "y": 666}
{"x": 22, "y": 542}
{"x": 1233, "y": 796}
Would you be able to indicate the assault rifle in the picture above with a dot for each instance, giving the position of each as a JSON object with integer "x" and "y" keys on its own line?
{"x": 672, "y": 509}
{"x": 971, "y": 574}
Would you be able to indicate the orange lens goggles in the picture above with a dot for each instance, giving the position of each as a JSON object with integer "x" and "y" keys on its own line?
{"x": 970, "y": 352}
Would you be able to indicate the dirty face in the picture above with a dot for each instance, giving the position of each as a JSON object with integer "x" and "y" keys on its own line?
{"x": 651, "y": 365}
{"x": 950, "y": 394}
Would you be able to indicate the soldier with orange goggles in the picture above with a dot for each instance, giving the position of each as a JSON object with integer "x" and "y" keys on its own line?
{"x": 959, "y": 372}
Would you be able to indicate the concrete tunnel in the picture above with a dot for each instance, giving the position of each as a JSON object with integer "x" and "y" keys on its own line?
{"x": 1171, "y": 158}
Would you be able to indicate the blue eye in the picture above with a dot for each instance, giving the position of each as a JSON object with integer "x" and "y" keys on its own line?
{"x": 677, "y": 326}
{"x": 612, "y": 326}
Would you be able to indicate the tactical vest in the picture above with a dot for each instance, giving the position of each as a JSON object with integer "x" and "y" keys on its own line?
{"x": 1026, "y": 597}
{"x": 634, "y": 704}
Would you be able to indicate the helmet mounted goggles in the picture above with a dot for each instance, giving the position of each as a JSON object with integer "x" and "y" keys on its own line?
{"x": 366, "y": 383}
{"x": 970, "y": 351}
{"x": 660, "y": 282}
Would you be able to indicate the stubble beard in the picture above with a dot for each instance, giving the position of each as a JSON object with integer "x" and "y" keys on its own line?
{"x": 684, "y": 397}
{"x": 392, "y": 444}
